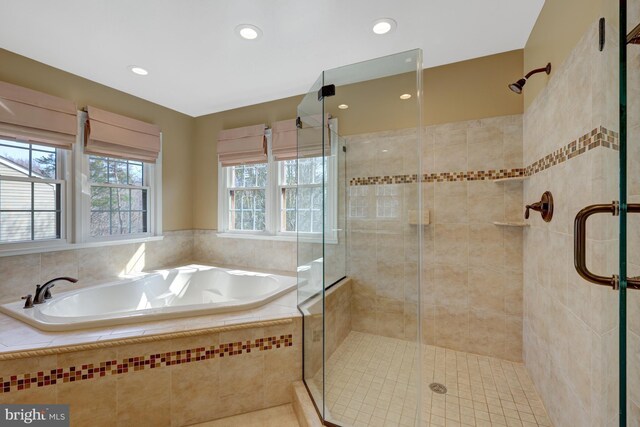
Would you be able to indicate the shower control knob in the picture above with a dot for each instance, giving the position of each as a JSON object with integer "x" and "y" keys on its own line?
{"x": 544, "y": 206}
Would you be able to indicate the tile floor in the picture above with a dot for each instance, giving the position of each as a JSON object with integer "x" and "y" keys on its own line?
{"x": 370, "y": 382}
{"x": 279, "y": 416}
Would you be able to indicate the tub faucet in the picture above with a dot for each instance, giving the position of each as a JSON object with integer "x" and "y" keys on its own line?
{"x": 43, "y": 292}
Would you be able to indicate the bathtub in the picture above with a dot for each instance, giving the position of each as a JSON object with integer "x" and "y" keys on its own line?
{"x": 186, "y": 291}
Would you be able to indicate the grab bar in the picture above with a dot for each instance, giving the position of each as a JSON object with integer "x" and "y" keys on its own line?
{"x": 580, "y": 239}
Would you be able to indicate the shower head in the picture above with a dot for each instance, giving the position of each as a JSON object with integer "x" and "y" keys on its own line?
{"x": 519, "y": 85}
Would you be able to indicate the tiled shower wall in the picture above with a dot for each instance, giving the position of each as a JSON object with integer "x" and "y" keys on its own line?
{"x": 570, "y": 326}
{"x": 19, "y": 274}
{"x": 472, "y": 268}
{"x": 382, "y": 247}
{"x": 472, "y": 283}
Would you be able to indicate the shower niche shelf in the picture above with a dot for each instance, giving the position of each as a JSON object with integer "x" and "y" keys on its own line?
{"x": 512, "y": 179}
{"x": 510, "y": 224}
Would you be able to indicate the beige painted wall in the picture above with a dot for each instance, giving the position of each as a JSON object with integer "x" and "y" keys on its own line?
{"x": 560, "y": 25}
{"x": 462, "y": 91}
{"x": 176, "y": 128}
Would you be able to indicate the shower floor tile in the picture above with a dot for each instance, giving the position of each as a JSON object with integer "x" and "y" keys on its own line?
{"x": 370, "y": 381}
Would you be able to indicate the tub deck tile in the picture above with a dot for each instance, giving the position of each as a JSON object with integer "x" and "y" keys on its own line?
{"x": 18, "y": 336}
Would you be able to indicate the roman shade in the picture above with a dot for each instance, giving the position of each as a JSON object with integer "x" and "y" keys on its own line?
{"x": 32, "y": 116}
{"x": 246, "y": 145}
{"x": 314, "y": 138}
{"x": 284, "y": 140}
{"x": 289, "y": 142}
{"x": 112, "y": 135}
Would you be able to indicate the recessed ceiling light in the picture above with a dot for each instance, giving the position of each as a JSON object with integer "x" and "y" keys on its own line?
{"x": 405, "y": 96}
{"x": 384, "y": 25}
{"x": 138, "y": 70}
{"x": 343, "y": 106}
{"x": 248, "y": 31}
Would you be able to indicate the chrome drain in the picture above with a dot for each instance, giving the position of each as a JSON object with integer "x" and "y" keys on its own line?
{"x": 438, "y": 388}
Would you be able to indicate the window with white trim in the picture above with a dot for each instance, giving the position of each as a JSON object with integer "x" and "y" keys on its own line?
{"x": 300, "y": 192}
{"x": 119, "y": 197}
{"x": 32, "y": 192}
{"x": 278, "y": 198}
{"x": 246, "y": 193}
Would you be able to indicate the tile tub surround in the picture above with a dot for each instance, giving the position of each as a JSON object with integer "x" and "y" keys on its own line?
{"x": 25, "y": 381}
{"x": 91, "y": 265}
{"x": 18, "y": 337}
{"x": 266, "y": 255}
{"x": 239, "y": 382}
{"x": 248, "y": 253}
{"x": 570, "y": 325}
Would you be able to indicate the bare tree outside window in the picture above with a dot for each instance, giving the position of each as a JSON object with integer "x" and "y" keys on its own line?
{"x": 119, "y": 198}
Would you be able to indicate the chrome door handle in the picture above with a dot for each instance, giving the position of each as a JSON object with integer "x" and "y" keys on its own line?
{"x": 580, "y": 239}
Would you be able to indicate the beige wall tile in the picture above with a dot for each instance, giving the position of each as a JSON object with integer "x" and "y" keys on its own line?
{"x": 91, "y": 402}
{"x": 195, "y": 389}
{"x": 486, "y": 148}
{"x": 144, "y": 398}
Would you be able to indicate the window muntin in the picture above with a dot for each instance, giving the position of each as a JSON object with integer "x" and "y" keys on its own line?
{"x": 359, "y": 202}
{"x": 30, "y": 192}
{"x": 308, "y": 202}
{"x": 119, "y": 202}
{"x": 247, "y": 194}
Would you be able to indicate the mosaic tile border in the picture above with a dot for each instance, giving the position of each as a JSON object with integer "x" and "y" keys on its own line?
{"x": 132, "y": 364}
{"x": 598, "y": 137}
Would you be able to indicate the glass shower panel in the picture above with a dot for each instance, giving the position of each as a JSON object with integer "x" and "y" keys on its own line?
{"x": 309, "y": 172}
{"x": 630, "y": 368}
{"x": 371, "y": 320}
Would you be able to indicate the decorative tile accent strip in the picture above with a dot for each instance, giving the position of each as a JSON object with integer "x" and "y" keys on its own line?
{"x": 440, "y": 177}
{"x": 152, "y": 337}
{"x": 139, "y": 363}
{"x": 599, "y": 137}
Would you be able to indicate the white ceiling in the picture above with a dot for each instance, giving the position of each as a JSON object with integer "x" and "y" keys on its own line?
{"x": 198, "y": 65}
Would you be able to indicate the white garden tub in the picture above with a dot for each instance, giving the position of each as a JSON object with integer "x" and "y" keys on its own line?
{"x": 164, "y": 294}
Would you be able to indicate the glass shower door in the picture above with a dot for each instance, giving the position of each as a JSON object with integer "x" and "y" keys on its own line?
{"x": 361, "y": 347}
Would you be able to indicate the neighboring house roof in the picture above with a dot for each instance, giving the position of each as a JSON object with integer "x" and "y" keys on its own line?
{"x": 18, "y": 168}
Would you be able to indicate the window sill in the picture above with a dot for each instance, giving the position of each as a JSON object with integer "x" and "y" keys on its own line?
{"x": 293, "y": 239}
{"x": 51, "y": 247}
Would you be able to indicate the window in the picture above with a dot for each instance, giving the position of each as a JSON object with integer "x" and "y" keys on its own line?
{"x": 31, "y": 192}
{"x": 278, "y": 198}
{"x": 119, "y": 197}
{"x": 308, "y": 173}
{"x": 247, "y": 197}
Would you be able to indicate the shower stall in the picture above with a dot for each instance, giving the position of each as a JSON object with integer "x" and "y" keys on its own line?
{"x": 431, "y": 299}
